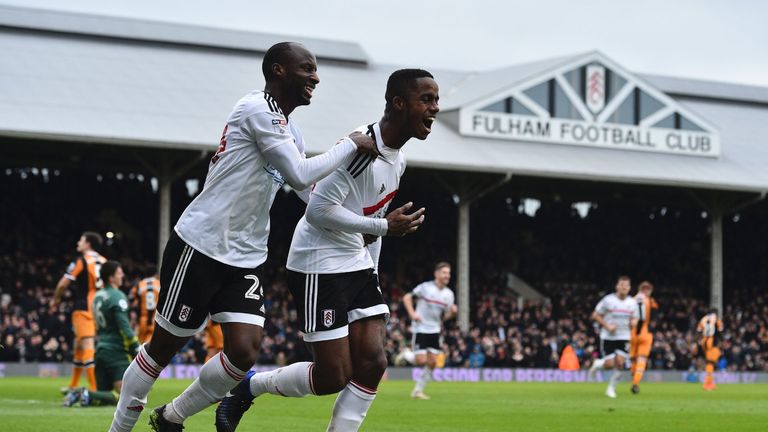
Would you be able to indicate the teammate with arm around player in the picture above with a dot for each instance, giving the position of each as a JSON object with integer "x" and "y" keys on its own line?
{"x": 213, "y": 261}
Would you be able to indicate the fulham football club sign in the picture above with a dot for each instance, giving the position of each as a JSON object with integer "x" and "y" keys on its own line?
{"x": 591, "y": 102}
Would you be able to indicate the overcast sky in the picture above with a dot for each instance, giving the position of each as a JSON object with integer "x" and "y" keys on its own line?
{"x": 709, "y": 39}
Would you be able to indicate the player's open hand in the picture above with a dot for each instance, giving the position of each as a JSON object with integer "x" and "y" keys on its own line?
{"x": 364, "y": 143}
{"x": 400, "y": 223}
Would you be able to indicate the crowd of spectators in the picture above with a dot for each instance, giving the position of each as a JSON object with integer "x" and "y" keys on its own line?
{"x": 505, "y": 332}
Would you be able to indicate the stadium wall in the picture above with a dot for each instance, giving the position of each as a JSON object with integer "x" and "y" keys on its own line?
{"x": 53, "y": 370}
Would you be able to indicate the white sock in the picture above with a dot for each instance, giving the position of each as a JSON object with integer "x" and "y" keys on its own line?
{"x": 137, "y": 381}
{"x": 294, "y": 380}
{"x": 426, "y": 375}
{"x": 351, "y": 407}
{"x": 217, "y": 376}
{"x": 614, "y": 378}
{"x": 409, "y": 356}
{"x": 598, "y": 364}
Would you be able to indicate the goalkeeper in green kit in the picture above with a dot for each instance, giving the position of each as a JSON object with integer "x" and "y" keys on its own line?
{"x": 116, "y": 343}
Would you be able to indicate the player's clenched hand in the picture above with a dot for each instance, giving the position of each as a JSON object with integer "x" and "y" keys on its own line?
{"x": 364, "y": 143}
{"x": 611, "y": 328}
{"x": 369, "y": 238}
{"x": 401, "y": 223}
{"x": 416, "y": 317}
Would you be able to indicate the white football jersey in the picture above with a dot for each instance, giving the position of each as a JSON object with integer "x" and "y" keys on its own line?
{"x": 431, "y": 303}
{"x": 618, "y": 312}
{"x": 229, "y": 220}
{"x": 362, "y": 186}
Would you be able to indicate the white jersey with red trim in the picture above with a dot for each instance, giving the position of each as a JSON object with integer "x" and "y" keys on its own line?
{"x": 229, "y": 220}
{"x": 619, "y": 312}
{"x": 363, "y": 186}
{"x": 432, "y": 302}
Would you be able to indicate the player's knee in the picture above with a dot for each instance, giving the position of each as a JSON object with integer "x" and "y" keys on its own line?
{"x": 243, "y": 355}
{"x": 335, "y": 377}
{"x": 372, "y": 364}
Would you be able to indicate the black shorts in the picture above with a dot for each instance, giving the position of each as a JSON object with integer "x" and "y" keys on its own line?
{"x": 195, "y": 286}
{"x": 423, "y": 342}
{"x": 610, "y": 348}
{"x": 327, "y": 303}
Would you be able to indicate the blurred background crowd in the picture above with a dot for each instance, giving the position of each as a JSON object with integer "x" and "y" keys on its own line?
{"x": 571, "y": 256}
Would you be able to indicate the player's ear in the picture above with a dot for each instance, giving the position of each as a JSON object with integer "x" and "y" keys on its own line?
{"x": 278, "y": 70}
{"x": 398, "y": 103}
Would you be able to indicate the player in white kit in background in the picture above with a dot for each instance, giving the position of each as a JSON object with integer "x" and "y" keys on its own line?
{"x": 435, "y": 304}
{"x": 617, "y": 315}
{"x": 332, "y": 268}
{"x": 212, "y": 263}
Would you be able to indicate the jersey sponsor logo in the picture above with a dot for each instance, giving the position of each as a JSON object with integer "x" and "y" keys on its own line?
{"x": 279, "y": 125}
{"x": 329, "y": 317}
{"x": 184, "y": 313}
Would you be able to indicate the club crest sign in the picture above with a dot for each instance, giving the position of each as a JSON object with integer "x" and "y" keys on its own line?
{"x": 595, "y": 87}
{"x": 590, "y": 102}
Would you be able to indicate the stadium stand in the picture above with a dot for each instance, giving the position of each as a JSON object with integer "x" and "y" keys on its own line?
{"x": 573, "y": 267}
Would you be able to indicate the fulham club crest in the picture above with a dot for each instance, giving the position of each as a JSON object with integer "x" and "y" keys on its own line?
{"x": 329, "y": 317}
{"x": 184, "y": 313}
{"x": 595, "y": 88}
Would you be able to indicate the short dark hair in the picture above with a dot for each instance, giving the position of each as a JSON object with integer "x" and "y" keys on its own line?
{"x": 623, "y": 278}
{"x": 277, "y": 53}
{"x": 108, "y": 270}
{"x": 441, "y": 265}
{"x": 645, "y": 284}
{"x": 94, "y": 239}
{"x": 400, "y": 82}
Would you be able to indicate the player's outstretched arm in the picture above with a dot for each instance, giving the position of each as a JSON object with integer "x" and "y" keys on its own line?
{"x": 267, "y": 131}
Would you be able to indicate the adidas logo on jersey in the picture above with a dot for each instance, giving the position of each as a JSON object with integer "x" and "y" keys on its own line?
{"x": 382, "y": 188}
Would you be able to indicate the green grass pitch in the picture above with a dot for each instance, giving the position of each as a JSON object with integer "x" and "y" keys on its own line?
{"x": 34, "y": 405}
